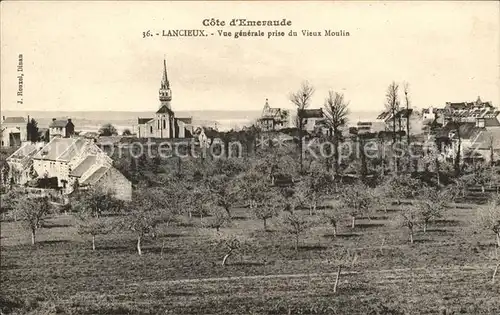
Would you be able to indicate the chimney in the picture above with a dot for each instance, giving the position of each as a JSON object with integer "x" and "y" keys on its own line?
{"x": 53, "y": 119}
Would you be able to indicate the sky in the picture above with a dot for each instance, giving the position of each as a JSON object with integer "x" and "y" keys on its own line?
{"x": 92, "y": 56}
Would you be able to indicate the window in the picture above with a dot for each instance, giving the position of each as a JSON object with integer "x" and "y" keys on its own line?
{"x": 164, "y": 124}
{"x": 151, "y": 129}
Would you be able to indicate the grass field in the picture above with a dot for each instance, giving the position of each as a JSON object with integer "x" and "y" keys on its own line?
{"x": 180, "y": 272}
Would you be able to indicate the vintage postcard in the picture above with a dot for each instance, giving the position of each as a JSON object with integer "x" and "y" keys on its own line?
{"x": 250, "y": 157}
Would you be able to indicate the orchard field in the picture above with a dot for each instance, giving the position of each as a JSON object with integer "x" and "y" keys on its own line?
{"x": 447, "y": 270}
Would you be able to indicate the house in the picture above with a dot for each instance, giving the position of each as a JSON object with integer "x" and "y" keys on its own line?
{"x": 313, "y": 119}
{"x": 71, "y": 162}
{"x": 13, "y": 131}
{"x": 164, "y": 124}
{"x": 273, "y": 118}
{"x": 402, "y": 118}
{"x": 61, "y": 128}
{"x": 370, "y": 126}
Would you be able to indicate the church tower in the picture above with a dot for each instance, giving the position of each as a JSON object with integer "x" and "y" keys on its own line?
{"x": 165, "y": 93}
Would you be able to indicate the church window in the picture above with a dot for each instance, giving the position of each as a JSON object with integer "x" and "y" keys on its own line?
{"x": 164, "y": 124}
{"x": 151, "y": 129}
{"x": 158, "y": 124}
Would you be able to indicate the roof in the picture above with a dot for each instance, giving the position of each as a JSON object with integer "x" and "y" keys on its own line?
{"x": 491, "y": 122}
{"x": 61, "y": 149}
{"x": 312, "y": 113}
{"x": 142, "y": 121}
{"x": 13, "y": 120}
{"x": 27, "y": 149}
{"x": 84, "y": 166}
{"x": 165, "y": 110}
{"x": 467, "y": 129}
{"x": 58, "y": 123}
{"x": 94, "y": 178}
{"x": 489, "y": 138}
{"x": 108, "y": 140}
{"x": 186, "y": 120}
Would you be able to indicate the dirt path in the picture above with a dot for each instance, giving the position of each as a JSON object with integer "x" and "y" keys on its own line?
{"x": 305, "y": 275}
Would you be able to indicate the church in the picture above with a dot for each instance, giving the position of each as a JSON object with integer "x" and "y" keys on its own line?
{"x": 164, "y": 124}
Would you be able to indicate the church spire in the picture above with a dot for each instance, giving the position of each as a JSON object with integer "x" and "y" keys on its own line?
{"x": 165, "y": 94}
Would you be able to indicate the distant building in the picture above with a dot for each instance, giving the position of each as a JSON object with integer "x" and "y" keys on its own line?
{"x": 370, "y": 126}
{"x": 313, "y": 119}
{"x": 70, "y": 162}
{"x": 13, "y": 131}
{"x": 401, "y": 118}
{"x": 273, "y": 118}
{"x": 61, "y": 128}
{"x": 164, "y": 124}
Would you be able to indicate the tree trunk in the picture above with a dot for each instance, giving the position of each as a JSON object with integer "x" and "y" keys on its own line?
{"x": 32, "y": 236}
{"x": 498, "y": 239}
{"x": 334, "y": 231}
{"x": 337, "y": 279}
{"x": 139, "y": 251}
{"x": 226, "y": 257}
{"x": 425, "y": 226}
{"x": 93, "y": 242}
{"x": 494, "y": 274}
{"x": 265, "y": 224}
{"x": 353, "y": 223}
{"x": 411, "y": 236}
{"x": 296, "y": 242}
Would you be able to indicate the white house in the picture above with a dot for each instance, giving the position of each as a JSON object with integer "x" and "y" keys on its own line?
{"x": 13, "y": 131}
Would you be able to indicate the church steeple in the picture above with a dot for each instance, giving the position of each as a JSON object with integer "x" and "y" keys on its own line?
{"x": 165, "y": 94}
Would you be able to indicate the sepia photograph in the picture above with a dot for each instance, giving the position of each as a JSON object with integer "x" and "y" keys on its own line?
{"x": 250, "y": 157}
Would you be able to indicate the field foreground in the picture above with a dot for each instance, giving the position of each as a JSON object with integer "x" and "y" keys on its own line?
{"x": 446, "y": 271}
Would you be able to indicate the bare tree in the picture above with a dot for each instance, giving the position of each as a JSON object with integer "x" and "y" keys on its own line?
{"x": 336, "y": 112}
{"x": 33, "y": 210}
{"x": 488, "y": 218}
{"x": 408, "y": 218}
{"x": 302, "y": 99}
{"x": 270, "y": 205}
{"x": 357, "y": 200}
{"x": 392, "y": 105}
{"x": 407, "y": 99}
{"x": 343, "y": 258}
{"x": 296, "y": 224}
{"x": 93, "y": 226}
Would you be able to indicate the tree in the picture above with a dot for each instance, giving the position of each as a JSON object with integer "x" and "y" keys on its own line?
{"x": 392, "y": 105}
{"x": 95, "y": 201}
{"x": 408, "y": 218}
{"x": 93, "y": 226}
{"x": 403, "y": 187}
{"x": 89, "y": 206}
{"x": 147, "y": 210}
{"x": 313, "y": 188}
{"x": 430, "y": 205}
{"x": 32, "y": 131}
{"x": 269, "y": 206}
{"x": 219, "y": 217}
{"x": 336, "y": 112}
{"x": 108, "y": 130}
{"x": 224, "y": 190}
{"x": 33, "y": 210}
{"x": 253, "y": 187}
{"x": 343, "y": 258}
{"x": 488, "y": 218}
{"x": 295, "y": 224}
{"x": 333, "y": 216}
{"x": 357, "y": 199}
{"x": 126, "y": 132}
{"x": 301, "y": 100}
{"x": 407, "y": 99}
{"x": 230, "y": 245}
